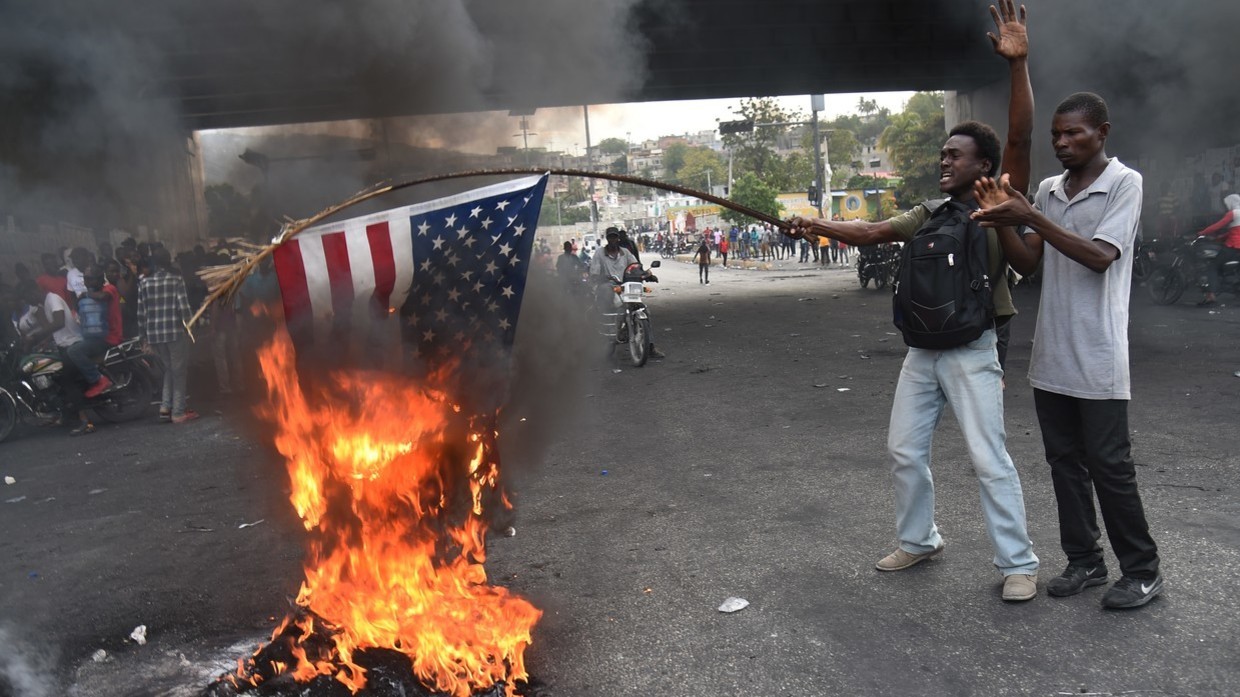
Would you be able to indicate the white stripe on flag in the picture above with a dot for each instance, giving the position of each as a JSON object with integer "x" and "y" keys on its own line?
{"x": 402, "y": 254}
{"x": 314, "y": 261}
{"x": 362, "y": 270}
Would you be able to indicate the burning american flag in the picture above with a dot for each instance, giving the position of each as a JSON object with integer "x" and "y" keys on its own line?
{"x": 454, "y": 268}
{"x": 393, "y": 474}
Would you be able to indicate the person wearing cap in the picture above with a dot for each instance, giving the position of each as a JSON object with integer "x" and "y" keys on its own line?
{"x": 612, "y": 259}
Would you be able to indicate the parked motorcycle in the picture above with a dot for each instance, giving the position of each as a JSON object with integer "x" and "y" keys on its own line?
{"x": 1189, "y": 264}
{"x": 878, "y": 263}
{"x": 31, "y": 385}
{"x": 626, "y": 321}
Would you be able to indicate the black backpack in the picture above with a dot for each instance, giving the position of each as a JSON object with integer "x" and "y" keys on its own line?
{"x": 943, "y": 297}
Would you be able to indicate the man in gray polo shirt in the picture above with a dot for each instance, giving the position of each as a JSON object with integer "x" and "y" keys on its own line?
{"x": 1079, "y": 226}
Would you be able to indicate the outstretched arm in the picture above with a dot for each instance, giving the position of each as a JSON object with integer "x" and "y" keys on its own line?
{"x": 1012, "y": 42}
{"x": 854, "y": 232}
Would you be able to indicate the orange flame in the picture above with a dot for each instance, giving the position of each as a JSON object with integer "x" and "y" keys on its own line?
{"x": 392, "y": 482}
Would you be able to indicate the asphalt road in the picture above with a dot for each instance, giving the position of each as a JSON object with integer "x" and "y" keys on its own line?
{"x": 750, "y": 462}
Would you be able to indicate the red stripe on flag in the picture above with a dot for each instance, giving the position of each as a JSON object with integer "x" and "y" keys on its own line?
{"x": 385, "y": 265}
{"x": 340, "y": 277}
{"x": 294, "y": 291}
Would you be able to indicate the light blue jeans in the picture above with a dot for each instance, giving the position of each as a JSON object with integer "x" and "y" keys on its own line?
{"x": 969, "y": 379}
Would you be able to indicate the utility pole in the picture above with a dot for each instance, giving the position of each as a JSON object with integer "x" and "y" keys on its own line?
{"x": 585, "y": 110}
{"x": 817, "y": 103}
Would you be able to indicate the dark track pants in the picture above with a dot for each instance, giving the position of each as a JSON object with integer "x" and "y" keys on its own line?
{"x": 1088, "y": 449}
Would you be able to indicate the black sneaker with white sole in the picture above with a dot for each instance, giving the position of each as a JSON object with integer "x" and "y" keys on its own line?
{"x": 1075, "y": 579}
{"x": 1131, "y": 592}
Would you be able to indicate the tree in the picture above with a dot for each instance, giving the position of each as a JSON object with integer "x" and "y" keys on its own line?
{"x": 699, "y": 161}
{"x": 561, "y": 213}
{"x": 755, "y": 152}
{"x": 914, "y": 139}
{"x": 674, "y": 160}
{"x": 752, "y": 192}
{"x": 798, "y": 171}
{"x": 613, "y": 146}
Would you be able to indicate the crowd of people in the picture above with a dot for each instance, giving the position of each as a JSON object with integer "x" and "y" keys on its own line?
{"x": 82, "y": 303}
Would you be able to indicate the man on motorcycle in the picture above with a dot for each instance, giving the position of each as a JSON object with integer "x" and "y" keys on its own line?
{"x": 611, "y": 260}
{"x": 54, "y": 318}
{"x": 1231, "y": 243}
{"x": 99, "y": 317}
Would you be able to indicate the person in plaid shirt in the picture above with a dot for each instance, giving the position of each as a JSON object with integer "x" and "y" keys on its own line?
{"x": 163, "y": 310}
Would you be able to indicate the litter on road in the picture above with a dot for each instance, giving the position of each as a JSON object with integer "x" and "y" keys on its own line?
{"x": 734, "y": 605}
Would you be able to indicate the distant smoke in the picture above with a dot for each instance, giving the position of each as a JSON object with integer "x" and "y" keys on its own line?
{"x": 1168, "y": 70}
{"x": 87, "y": 89}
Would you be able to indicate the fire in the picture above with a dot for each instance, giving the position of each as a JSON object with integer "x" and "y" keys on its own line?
{"x": 391, "y": 481}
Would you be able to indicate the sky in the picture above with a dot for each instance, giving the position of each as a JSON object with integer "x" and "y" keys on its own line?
{"x": 562, "y": 128}
{"x": 640, "y": 121}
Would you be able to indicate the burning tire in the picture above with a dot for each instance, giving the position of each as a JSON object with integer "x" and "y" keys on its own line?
{"x": 1165, "y": 285}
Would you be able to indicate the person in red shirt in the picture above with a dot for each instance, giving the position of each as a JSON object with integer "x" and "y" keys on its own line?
{"x": 1229, "y": 228}
{"x": 53, "y": 279}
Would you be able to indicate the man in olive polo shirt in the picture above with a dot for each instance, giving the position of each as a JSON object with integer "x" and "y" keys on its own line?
{"x": 967, "y": 377}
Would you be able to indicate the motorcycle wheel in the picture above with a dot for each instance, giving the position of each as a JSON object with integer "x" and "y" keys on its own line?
{"x": 8, "y": 416}
{"x": 865, "y": 280}
{"x": 131, "y": 402}
{"x": 639, "y": 341}
{"x": 1166, "y": 285}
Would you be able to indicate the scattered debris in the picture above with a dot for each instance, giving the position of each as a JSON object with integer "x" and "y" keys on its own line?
{"x": 843, "y": 389}
{"x": 810, "y": 300}
{"x": 864, "y": 357}
{"x": 603, "y": 473}
{"x": 10, "y": 480}
{"x": 616, "y": 370}
{"x": 92, "y": 492}
{"x": 139, "y": 634}
{"x": 19, "y": 499}
{"x": 820, "y": 384}
{"x": 700, "y": 369}
{"x": 250, "y": 525}
{"x": 99, "y": 656}
{"x": 197, "y": 528}
{"x": 733, "y": 605}
{"x": 509, "y": 531}
{"x": 1237, "y": 373}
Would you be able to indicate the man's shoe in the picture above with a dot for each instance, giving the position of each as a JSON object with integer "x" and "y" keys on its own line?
{"x": 97, "y": 389}
{"x": 189, "y": 415}
{"x": 900, "y": 559}
{"x": 1017, "y": 587}
{"x": 1131, "y": 592}
{"x": 1075, "y": 579}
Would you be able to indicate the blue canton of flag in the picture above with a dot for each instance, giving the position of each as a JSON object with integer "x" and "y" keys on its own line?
{"x": 471, "y": 258}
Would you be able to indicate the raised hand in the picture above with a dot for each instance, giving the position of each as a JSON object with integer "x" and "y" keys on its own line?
{"x": 990, "y": 192}
{"x": 1013, "y": 41}
{"x": 1001, "y": 205}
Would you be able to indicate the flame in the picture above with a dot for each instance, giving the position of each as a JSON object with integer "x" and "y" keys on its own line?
{"x": 391, "y": 480}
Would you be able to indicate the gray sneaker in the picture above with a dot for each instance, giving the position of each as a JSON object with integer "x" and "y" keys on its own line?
{"x": 1018, "y": 587}
{"x": 900, "y": 559}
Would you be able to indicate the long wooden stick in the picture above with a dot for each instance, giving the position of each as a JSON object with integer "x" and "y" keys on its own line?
{"x": 224, "y": 281}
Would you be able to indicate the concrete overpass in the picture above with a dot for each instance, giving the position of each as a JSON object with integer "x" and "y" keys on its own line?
{"x": 97, "y": 99}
